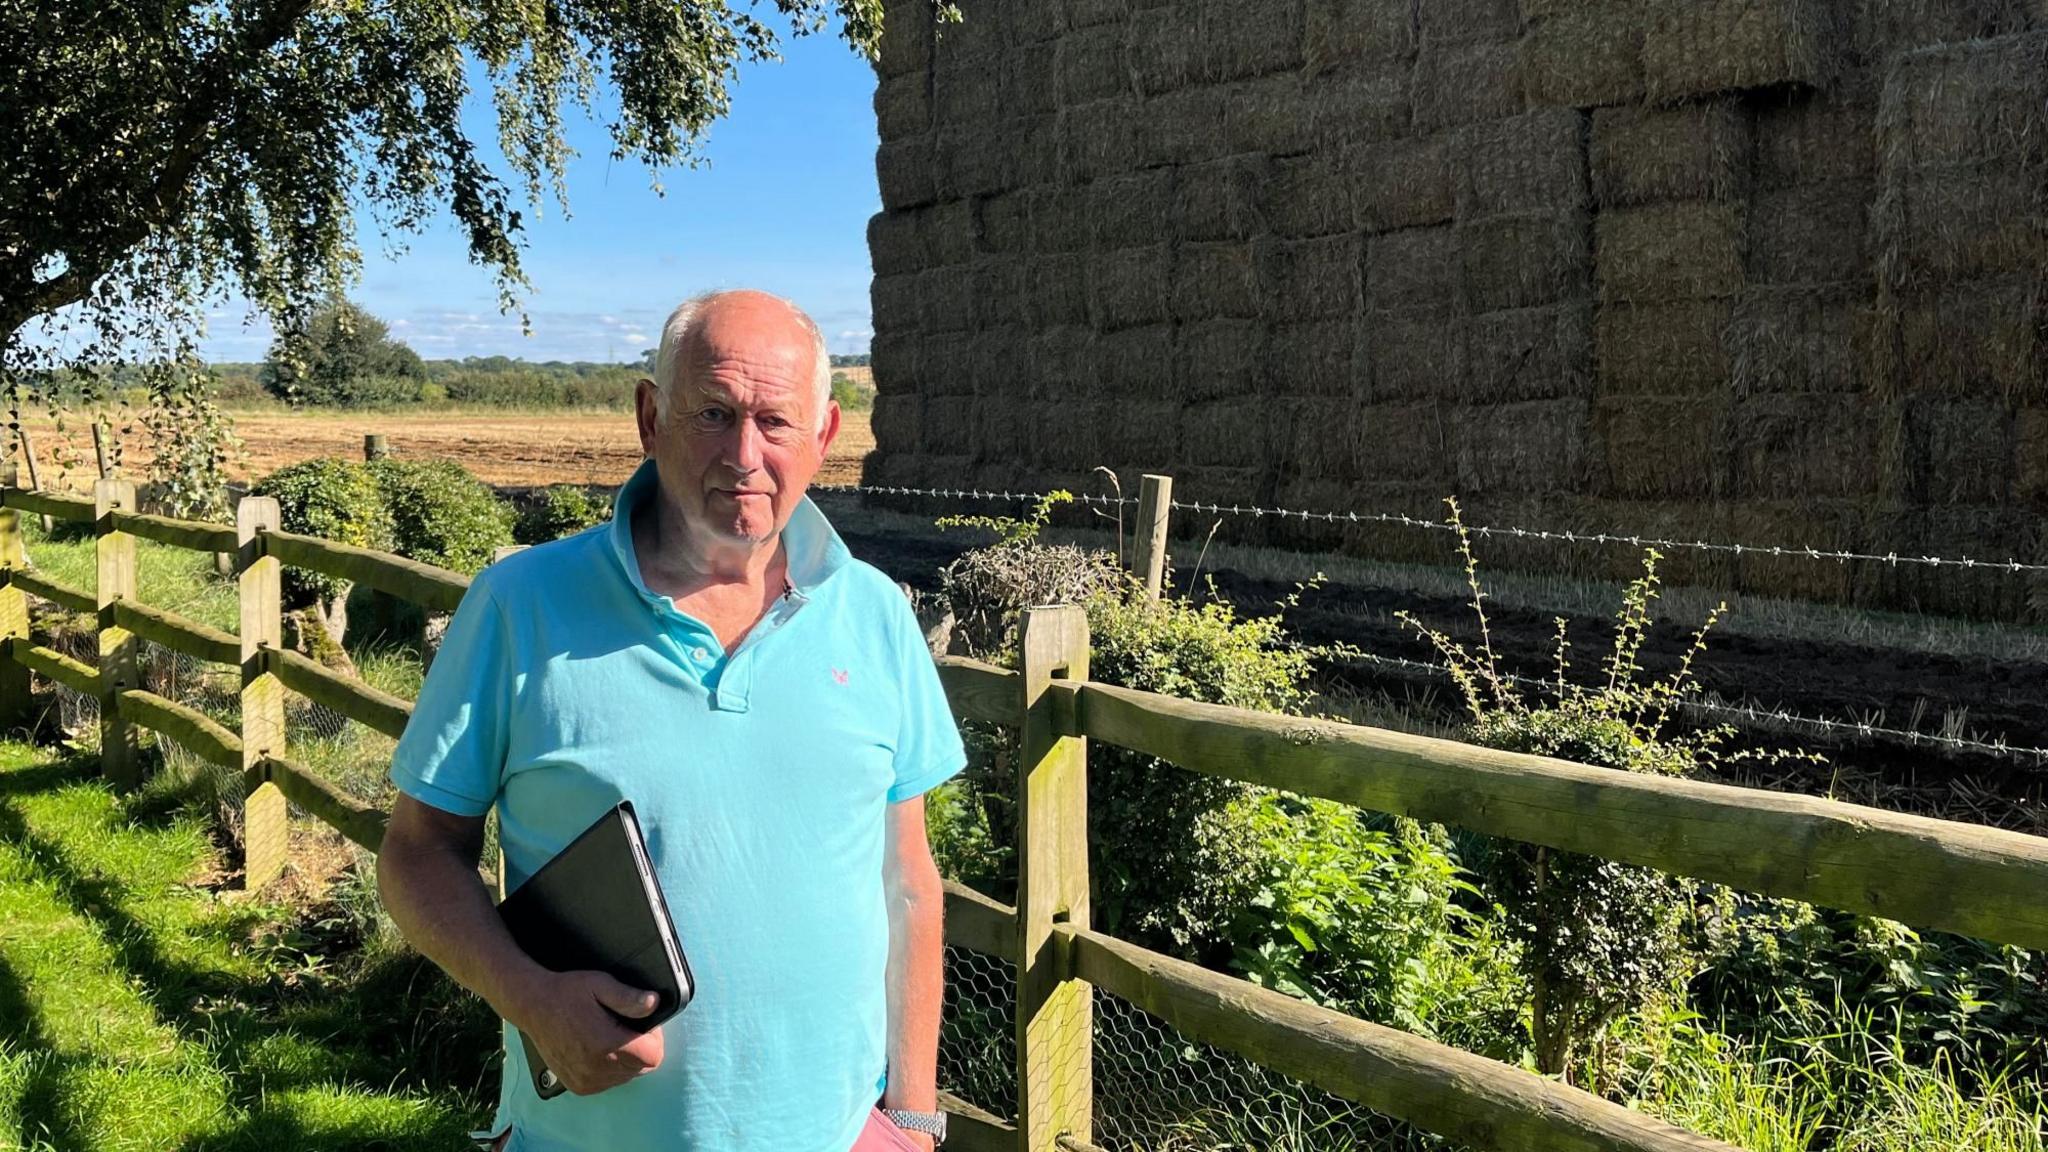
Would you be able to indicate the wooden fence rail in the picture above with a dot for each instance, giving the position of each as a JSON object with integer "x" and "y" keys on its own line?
{"x": 1965, "y": 878}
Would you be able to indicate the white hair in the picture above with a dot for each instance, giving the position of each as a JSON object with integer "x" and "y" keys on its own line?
{"x": 682, "y": 325}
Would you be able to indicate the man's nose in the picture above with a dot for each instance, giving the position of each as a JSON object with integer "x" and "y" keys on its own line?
{"x": 744, "y": 453}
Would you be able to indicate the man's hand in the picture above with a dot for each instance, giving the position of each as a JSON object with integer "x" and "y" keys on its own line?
{"x": 569, "y": 1017}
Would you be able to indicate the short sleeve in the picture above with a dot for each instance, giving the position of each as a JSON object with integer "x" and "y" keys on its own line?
{"x": 452, "y": 754}
{"x": 928, "y": 747}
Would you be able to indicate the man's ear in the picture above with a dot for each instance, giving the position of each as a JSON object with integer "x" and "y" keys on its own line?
{"x": 646, "y": 413}
{"x": 828, "y": 430}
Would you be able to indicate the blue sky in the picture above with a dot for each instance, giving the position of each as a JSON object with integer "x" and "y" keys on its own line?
{"x": 783, "y": 205}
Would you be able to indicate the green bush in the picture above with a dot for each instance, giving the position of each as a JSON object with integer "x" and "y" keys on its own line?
{"x": 440, "y": 514}
{"x": 342, "y": 357}
{"x": 559, "y": 510}
{"x": 332, "y": 499}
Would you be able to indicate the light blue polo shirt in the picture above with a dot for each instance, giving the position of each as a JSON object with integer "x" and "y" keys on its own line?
{"x": 761, "y": 777}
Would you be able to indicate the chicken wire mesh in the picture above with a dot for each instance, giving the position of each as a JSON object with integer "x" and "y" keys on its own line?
{"x": 1155, "y": 1090}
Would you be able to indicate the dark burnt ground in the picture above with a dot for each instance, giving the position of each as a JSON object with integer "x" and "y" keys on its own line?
{"x": 1893, "y": 687}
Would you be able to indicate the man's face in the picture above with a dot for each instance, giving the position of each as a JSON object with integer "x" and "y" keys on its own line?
{"x": 743, "y": 435}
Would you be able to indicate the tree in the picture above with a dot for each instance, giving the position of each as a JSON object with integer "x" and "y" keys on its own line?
{"x": 168, "y": 152}
{"x": 342, "y": 356}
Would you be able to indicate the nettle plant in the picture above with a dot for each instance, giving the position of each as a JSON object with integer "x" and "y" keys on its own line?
{"x": 1597, "y": 939}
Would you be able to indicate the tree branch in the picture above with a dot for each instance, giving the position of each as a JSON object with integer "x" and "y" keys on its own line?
{"x": 174, "y": 184}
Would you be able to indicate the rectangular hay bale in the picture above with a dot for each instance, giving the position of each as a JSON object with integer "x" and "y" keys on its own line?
{"x": 1089, "y": 65}
{"x": 1676, "y": 349}
{"x": 1412, "y": 269}
{"x": 1321, "y": 358}
{"x": 1811, "y": 233}
{"x": 1657, "y": 447}
{"x": 1307, "y": 196}
{"x": 1134, "y": 362}
{"x": 1403, "y": 443}
{"x": 1056, "y": 290}
{"x": 1987, "y": 338}
{"x": 1456, "y": 21}
{"x": 1312, "y": 436}
{"x": 1972, "y": 222}
{"x": 1528, "y": 447}
{"x": 1663, "y": 252}
{"x": 1810, "y": 446}
{"x": 1401, "y": 183}
{"x": 1225, "y": 433}
{"x": 1800, "y": 340}
{"x": 1144, "y": 433}
{"x": 1458, "y": 84}
{"x": 1212, "y": 281}
{"x": 1219, "y": 200}
{"x": 1098, "y": 139}
{"x": 1360, "y": 104}
{"x": 905, "y": 172}
{"x": 1695, "y": 152}
{"x": 1525, "y": 259}
{"x": 1583, "y": 54}
{"x": 1270, "y": 116}
{"x": 1132, "y": 210}
{"x": 1413, "y": 355}
{"x": 1181, "y": 127}
{"x": 1336, "y": 32}
{"x": 1130, "y": 288}
{"x": 1218, "y": 358}
{"x": 1162, "y": 47}
{"x": 947, "y": 300}
{"x": 1064, "y": 361}
{"x": 1543, "y": 353}
{"x": 1960, "y": 451}
{"x": 1694, "y": 48}
{"x": 1531, "y": 163}
{"x": 1964, "y": 103}
{"x": 1313, "y": 279}
{"x": 1805, "y": 137}
{"x": 1237, "y": 45}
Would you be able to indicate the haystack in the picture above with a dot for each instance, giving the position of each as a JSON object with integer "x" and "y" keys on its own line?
{"x": 894, "y": 353}
{"x": 1056, "y": 290}
{"x": 1313, "y": 279}
{"x": 1525, "y": 259}
{"x": 1694, "y": 48}
{"x": 1800, "y": 339}
{"x": 905, "y": 171}
{"x": 1128, "y": 288}
{"x": 1676, "y": 349}
{"x": 894, "y": 304}
{"x": 906, "y": 47}
{"x": 1338, "y": 31}
{"x": 1219, "y": 200}
{"x": 1134, "y": 362}
{"x": 1530, "y": 163}
{"x": 895, "y": 243}
{"x": 1693, "y": 152}
{"x": 1790, "y": 447}
{"x": 1090, "y": 64}
{"x": 1658, "y": 447}
{"x": 1531, "y": 447}
{"x": 1361, "y": 104}
{"x": 1416, "y": 268}
{"x": 1316, "y": 359}
{"x": 1988, "y": 338}
{"x": 1458, "y": 84}
{"x": 1972, "y": 222}
{"x": 1213, "y": 281}
{"x": 1218, "y": 358}
{"x": 1529, "y": 354}
{"x": 1265, "y": 116}
{"x": 1307, "y": 196}
{"x": 1811, "y": 137}
{"x": 1966, "y": 103}
{"x": 1230, "y": 432}
{"x": 1183, "y": 127}
{"x": 903, "y": 107}
{"x": 1677, "y": 251}
{"x": 1401, "y": 183}
{"x": 1413, "y": 355}
{"x": 1131, "y": 210}
{"x": 895, "y": 420}
{"x": 1812, "y": 233}
{"x": 1583, "y": 54}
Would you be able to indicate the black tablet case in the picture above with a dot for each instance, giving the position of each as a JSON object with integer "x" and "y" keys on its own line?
{"x": 597, "y": 906}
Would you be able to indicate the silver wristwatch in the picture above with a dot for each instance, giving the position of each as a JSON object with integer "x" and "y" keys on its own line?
{"x": 932, "y": 1124}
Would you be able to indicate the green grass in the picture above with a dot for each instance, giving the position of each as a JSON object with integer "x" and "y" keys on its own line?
{"x": 142, "y": 1009}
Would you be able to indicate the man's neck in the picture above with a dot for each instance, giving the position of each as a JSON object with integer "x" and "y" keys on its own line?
{"x": 676, "y": 562}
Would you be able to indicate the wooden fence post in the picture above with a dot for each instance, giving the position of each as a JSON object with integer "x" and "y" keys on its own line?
{"x": 265, "y": 817}
{"x": 374, "y": 447}
{"x": 1155, "y": 504}
{"x": 14, "y": 682}
{"x": 35, "y": 476}
{"x": 99, "y": 448}
{"x": 1055, "y": 1012}
{"x": 119, "y": 754}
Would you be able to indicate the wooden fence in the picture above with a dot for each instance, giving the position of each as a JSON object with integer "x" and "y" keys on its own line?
{"x": 1935, "y": 874}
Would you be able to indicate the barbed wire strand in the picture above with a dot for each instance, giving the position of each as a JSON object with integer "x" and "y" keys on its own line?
{"x": 1750, "y": 713}
{"x": 1484, "y": 531}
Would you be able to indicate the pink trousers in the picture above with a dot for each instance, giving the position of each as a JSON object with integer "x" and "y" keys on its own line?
{"x": 879, "y": 1135}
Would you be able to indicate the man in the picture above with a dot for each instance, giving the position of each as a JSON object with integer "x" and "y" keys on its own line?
{"x": 769, "y": 706}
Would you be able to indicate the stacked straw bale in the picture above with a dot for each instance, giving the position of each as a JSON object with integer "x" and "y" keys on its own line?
{"x": 1768, "y": 270}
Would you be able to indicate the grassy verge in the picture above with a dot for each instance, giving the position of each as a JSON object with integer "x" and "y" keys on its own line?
{"x": 142, "y": 1009}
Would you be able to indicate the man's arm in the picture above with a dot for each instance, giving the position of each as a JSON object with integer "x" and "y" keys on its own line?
{"x": 427, "y": 875}
{"x": 916, "y": 981}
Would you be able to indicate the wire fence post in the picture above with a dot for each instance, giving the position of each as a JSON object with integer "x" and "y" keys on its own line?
{"x": 375, "y": 447}
{"x": 1155, "y": 504}
{"x": 265, "y": 816}
{"x": 1055, "y": 1012}
{"x": 14, "y": 683}
{"x": 120, "y": 755}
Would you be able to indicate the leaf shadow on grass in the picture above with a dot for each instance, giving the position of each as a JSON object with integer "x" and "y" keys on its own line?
{"x": 393, "y": 1031}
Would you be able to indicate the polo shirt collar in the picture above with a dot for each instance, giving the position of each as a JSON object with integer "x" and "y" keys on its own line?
{"x": 812, "y": 545}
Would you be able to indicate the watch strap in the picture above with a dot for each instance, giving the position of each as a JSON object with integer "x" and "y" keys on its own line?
{"x": 932, "y": 1124}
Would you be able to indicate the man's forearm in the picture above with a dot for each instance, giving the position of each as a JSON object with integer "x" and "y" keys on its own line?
{"x": 444, "y": 910}
{"x": 916, "y": 996}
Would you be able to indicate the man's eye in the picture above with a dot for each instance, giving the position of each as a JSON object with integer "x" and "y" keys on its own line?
{"x": 714, "y": 415}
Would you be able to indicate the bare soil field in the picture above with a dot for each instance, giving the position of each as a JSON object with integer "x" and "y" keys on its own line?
{"x": 516, "y": 449}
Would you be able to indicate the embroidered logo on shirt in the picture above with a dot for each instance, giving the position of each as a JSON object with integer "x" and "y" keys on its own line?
{"x": 839, "y": 675}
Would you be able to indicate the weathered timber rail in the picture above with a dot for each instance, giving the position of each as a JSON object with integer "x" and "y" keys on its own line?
{"x": 1936, "y": 874}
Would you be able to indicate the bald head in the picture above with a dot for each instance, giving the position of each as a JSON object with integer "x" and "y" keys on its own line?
{"x": 743, "y": 321}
